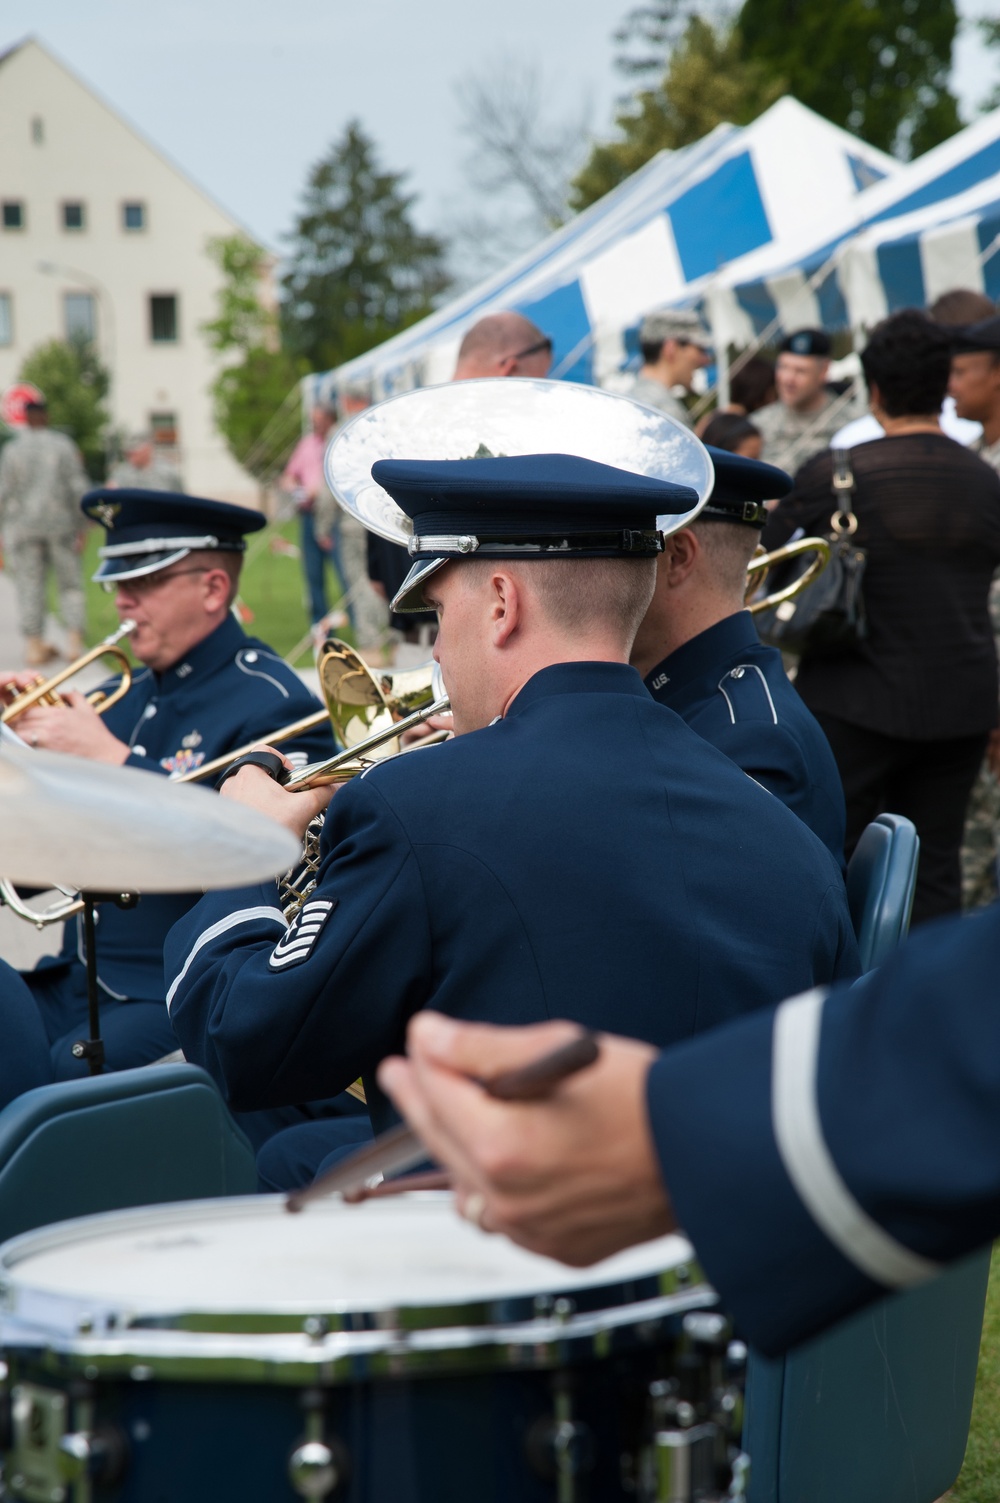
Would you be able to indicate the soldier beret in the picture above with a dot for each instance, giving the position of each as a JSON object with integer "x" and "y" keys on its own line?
{"x": 806, "y": 342}
{"x": 981, "y": 337}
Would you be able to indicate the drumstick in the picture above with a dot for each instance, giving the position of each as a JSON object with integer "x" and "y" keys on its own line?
{"x": 400, "y": 1148}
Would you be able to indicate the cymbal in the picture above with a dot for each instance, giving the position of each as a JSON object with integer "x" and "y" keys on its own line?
{"x": 108, "y": 829}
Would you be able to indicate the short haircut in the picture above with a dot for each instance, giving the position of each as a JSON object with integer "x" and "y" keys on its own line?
{"x": 728, "y": 547}
{"x": 577, "y": 593}
{"x": 227, "y": 560}
{"x": 727, "y": 430}
{"x": 753, "y": 386}
{"x": 651, "y": 350}
{"x": 961, "y": 306}
{"x": 498, "y": 335}
{"x": 908, "y": 357}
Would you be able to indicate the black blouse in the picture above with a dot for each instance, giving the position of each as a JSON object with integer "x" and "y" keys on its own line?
{"x": 929, "y": 518}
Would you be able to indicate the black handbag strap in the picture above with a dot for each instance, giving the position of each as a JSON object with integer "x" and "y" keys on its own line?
{"x": 843, "y": 523}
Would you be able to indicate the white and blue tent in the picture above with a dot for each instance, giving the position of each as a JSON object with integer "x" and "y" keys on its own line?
{"x": 669, "y": 227}
{"x": 931, "y": 227}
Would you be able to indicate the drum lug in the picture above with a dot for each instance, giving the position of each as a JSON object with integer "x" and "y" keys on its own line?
{"x": 318, "y": 1465}
{"x": 559, "y": 1447}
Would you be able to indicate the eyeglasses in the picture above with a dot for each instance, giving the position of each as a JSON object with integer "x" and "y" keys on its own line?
{"x": 544, "y": 346}
{"x": 145, "y": 584}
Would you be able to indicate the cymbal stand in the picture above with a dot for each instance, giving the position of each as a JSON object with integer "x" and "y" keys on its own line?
{"x": 91, "y": 1049}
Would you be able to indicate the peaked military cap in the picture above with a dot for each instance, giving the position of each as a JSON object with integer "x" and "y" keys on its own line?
{"x": 741, "y": 487}
{"x": 978, "y": 338}
{"x": 524, "y": 506}
{"x": 806, "y": 342}
{"x": 148, "y": 530}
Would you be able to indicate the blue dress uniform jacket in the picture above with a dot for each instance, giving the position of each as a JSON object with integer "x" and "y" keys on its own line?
{"x": 845, "y": 1144}
{"x": 229, "y": 689}
{"x": 587, "y": 856}
{"x": 733, "y": 690}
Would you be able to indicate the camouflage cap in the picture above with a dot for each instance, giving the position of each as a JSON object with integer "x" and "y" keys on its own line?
{"x": 674, "y": 323}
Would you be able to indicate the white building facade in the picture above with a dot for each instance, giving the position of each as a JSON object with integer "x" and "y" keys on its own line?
{"x": 100, "y": 234}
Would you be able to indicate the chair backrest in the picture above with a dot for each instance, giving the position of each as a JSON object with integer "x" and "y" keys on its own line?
{"x": 881, "y": 878}
{"x": 134, "y": 1137}
{"x": 861, "y": 1415}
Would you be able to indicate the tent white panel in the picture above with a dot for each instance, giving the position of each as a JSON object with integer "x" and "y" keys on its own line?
{"x": 861, "y": 284}
{"x": 795, "y": 301}
{"x": 949, "y": 257}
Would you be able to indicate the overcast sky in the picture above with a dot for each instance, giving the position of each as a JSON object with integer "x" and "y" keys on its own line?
{"x": 246, "y": 94}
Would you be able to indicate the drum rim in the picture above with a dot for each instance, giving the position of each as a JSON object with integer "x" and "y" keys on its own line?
{"x": 509, "y": 1331}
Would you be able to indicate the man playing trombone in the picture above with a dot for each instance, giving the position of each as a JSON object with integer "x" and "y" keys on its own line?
{"x": 574, "y": 850}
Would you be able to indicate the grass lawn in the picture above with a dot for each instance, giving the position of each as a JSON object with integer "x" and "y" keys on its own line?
{"x": 271, "y": 588}
{"x": 979, "y": 1481}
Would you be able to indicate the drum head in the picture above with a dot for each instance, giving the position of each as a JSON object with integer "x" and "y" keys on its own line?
{"x": 464, "y": 419}
{"x": 249, "y": 1254}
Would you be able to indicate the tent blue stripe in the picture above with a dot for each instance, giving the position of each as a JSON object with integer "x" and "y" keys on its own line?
{"x": 965, "y": 174}
{"x": 832, "y": 307}
{"x": 756, "y": 301}
{"x": 901, "y": 274}
{"x": 562, "y": 314}
{"x": 720, "y": 218}
{"x": 987, "y": 231}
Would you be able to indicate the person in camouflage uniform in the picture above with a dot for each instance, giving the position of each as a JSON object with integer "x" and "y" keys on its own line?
{"x": 806, "y": 415}
{"x": 975, "y": 386}
{"x": 674, "y": 345}
{"x": 42, "y": 480}
{"x": 143, "y": 470}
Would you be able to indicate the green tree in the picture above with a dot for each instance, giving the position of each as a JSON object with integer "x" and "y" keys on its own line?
{"x": 990, "y": 31}
{"x": 707, "y": 79}
{"x": 75, "y": 385}
{"x": 877, "y": 67}
{"x": 359, "y": 269}
{"x": 255, "y": 409}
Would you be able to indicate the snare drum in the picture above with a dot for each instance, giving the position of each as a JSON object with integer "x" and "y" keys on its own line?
{"x": 382, "y": 1353}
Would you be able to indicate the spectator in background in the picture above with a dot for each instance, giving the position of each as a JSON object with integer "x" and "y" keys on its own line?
{"x": 730, "y": 431}
{"x": 142, "y": 469}
{"x": 908, "y": 711}
{"x": 503, "y": 344}
{"x": 752, "y": 386}
{"x": 42, "y": 481}
{"x": 959, "y": 307}
{"x": 806, "y": 414}
{"x": 674, "y": 344}
{"x": 975, "y": 388}
{"x": 303, "y": 480}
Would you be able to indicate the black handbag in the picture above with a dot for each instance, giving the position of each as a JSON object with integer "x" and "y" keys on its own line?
{"x": 827, "y": 617}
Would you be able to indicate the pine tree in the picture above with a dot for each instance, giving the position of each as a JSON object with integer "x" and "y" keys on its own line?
{"x": 359, "y": 269}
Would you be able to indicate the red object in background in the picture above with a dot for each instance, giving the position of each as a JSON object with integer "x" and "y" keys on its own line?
{"x": 14, "y": 401}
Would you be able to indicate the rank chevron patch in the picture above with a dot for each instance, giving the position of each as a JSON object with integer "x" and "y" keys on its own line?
{"x": 296, "y": 944}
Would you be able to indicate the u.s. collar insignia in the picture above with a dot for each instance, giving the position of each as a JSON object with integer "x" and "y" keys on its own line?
{"x": 299, "y": 939}
{"x": 192, "y": 741}
{"x": 106, "y": 511}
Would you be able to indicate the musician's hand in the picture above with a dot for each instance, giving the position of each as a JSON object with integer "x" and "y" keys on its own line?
{"x": 420, "y": 733}
{"x": 256, "y": 789}
{"x": 74, "y": 727}
{"x": 574, "y": 1176}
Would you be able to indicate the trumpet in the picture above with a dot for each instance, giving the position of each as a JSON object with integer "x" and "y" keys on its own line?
{"x": 44, "y": 691}
{"x": 370, "y": 710}
{"x": 762, "y": 563}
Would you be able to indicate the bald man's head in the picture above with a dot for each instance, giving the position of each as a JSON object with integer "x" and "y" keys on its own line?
{"x": 503, "y": 344}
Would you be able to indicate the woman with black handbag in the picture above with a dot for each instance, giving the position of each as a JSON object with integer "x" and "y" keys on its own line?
{"x": 908, "y": 695}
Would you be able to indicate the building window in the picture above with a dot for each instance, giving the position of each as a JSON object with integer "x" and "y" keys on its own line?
{"x": 38, "y": 130}
{"x": 79, "y": 313}
{"x": 133, "y": 216}
{"x": 163, "y": 318}
{"x": 163, "y": 426}
{"x": 6, "y": 319}
{"x": 73, "y": 216}
{"x": 13, "y": 214}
